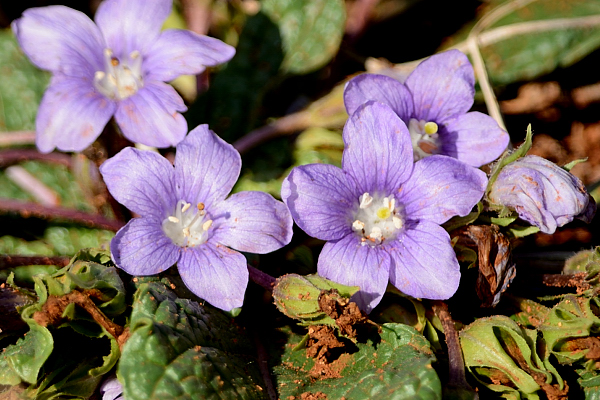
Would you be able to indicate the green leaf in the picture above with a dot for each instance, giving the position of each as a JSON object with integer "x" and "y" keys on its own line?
{"x": 311, "y": 30}
{"x": 179, "y": 349}
{"x": 590, "y": 383}
{"x": 21, "y": 86}
{"x": 395, "y": 364}
{"x": 231, "y": 105}
{"x": 23, "y": 360}
{"x": 531, "y": 54}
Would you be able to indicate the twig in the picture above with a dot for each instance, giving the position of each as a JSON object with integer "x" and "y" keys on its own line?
{"x": 16, "y": 156}
{"x": 263, "y": 366}
{"x": 197, "y": 15}
{"x": 456, "y": 376}
{"x": 284, "y": 125}
{"x": 32, "y": 185}
{"x": 12, "y": 261}
{"x": 260, "y": 278}
{"x": 16, "y": 138}
{"x": 27, "y": 209}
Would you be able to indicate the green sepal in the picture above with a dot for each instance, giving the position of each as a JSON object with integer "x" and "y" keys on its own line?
{"x": 508, "y": 158}
{"x": 457, "y": 222}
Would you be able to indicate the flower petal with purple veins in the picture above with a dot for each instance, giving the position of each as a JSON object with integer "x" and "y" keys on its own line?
{"x": 442, "y": 86}
{"x": 320, "y": 198}
{"x": 216, "y": 274}
{"x": 441, "y": 188}
{"x": 130, "y": 25}
{"x": 142, "y": 181}
{"x": 206, "y": 167}
{"x": 542, "y": 193}
{"x": 379, "y": 88}
{"x": 60, "y": 39}
{"x": 474, "y": 138}
{"x": 180, "y": 52}
{"x": 151, "y": 116}
{"x": 141, "y": 248}
{"x": 424, "y": 264}
{"x": 71, "y": 115}
{"x": 252, "y": 222}
{"x": 378, "y": 151}
{"x": 348, "y": 262}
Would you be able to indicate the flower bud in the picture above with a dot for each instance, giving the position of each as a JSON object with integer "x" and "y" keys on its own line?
{"x": 298, "y": 297}
{"x": 542, "y": 193}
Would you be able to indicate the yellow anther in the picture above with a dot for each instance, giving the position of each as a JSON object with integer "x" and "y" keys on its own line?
{"x": 174, "y": 220}
{"x": 431, "y": 128}
{"x": 207, "y": 224}
{"x": 200, "y": 206}
{"x": 384, "y": 213}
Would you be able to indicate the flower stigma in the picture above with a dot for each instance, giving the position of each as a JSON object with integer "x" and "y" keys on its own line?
{"x": 377, "y": 219}
{"x": 424, "y": 137}
{"x": 121, "y": 78}
{"x": 188, "y": 226}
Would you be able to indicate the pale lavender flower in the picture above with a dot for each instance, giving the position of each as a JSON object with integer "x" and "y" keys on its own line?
{"x": 542, "y": 193}
{"x": 434, "y": 102}
{"x": 185, "y": 218}
{"x": 116, "y": 66}
{"x": 381, "y": 212}
{"x": 112, "y": 389}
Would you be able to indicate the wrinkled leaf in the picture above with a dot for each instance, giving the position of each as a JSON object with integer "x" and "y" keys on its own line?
{"x": 394, "y": 365}
{"x": 179, "y": 349}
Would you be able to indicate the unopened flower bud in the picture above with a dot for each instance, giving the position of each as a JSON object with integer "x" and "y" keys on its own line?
{"x": 542, "y": 193}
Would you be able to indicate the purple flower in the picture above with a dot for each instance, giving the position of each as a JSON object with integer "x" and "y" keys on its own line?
{"x": 433, "y": 102}
{"x": 185, "y": 218}
{"x": 117, "y": 67}
{"x": 111, "y": 389}
{"x": 381, "y": 213}
{"x": 542, "y": 193}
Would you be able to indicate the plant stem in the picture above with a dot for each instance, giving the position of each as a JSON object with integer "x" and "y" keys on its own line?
{"x": 260, "y": 278}
{"x": 16, "y": 156}
{"x": 11, "y": 261}
{"x": 27, "y": 209}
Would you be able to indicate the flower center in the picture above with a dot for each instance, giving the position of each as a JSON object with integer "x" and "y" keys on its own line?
{"x": 377, "y": 219}
{"x": 121, "y": 78}
{"x": 425, "y": 138}
{"x": 188, "y": 226}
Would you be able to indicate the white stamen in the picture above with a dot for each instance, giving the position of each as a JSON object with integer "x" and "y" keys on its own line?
{"x": 207, "y": 224}
{"x": 397, "y": 222}
{"x": 174, "y": 219}
{"x": 121, "y": 77}
{"x": 358, "y": 225}
{"x": 186, "y": 206}
{"x": 186, "y": 232}
{"x": 365, "y": 200}
{"x": 376, "y": 234}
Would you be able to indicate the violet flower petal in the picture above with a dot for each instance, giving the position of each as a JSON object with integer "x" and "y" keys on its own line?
{"x": 474, "y": 138}
{"x": 320, "y": 198}
{"x": 151, "y": 116}
{"x": 440, "y": 188}
{"x": 424, "y": 264}
{"x": 143, "y": 181}
{"x": 381, "y": 88}
{"x": 142, "y": 248}
{"x": 378, "y": 151}
{"x": 252, "y": 222}
{"x": 130, "y": 25}
{"x": 442, "y": 86}
{"x": 348, "y": 262}
{"x": 180, "y": 52}
{"x": 215, "y": 273}
{"x": 71, "y": 115}
{"x": 206, "y": 167}
{"x": 111, "y": 389}
{"x": 60, "y": 39}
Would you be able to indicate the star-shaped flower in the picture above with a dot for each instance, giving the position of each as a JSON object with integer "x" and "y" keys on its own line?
{"x": 433, "y": 103}
{"x": 116, "y": 66}
{"x": 186, "y": 219}
{"x": 381, "y": 212}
